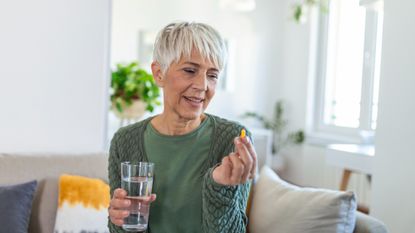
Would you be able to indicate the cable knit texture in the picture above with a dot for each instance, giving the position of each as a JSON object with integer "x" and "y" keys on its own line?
{"x": 223, "y": 206}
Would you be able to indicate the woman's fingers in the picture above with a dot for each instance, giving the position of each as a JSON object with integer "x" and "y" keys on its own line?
{"x": 153, "y": 197}
{"x": 119, "y": 206}
{"x": 246, "y": 158}
{"x": 238, "y": 169}
{"x": 247, "y": 155}
{"x": 119, "y": 193}
{"x": 119, "y": 200}
{"x": 252, "y": 153}
{"x": 149, "y": 199}
{"x": 118, "y": 203}
{"x": 117, "y": 222}
{"x": 226, "y": 167}
{"x": 222, "y": 174}
{"x": 117, "y": 216}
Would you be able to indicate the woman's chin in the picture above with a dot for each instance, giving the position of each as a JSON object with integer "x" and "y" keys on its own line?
{"x": 193, "y": 115}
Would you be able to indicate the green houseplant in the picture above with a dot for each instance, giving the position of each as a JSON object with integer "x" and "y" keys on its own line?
{"x": 278, "y": 125}
{"x": 300, "y": 10}
{"x": 132, "y": 86}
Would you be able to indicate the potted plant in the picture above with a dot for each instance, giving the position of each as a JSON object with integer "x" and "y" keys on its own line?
{"x": 133, "y": 91}
{"x": 278, "y": 126}
{"x": 300, "y": 10}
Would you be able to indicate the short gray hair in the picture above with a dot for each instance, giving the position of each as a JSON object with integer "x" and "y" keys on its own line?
{"x": 178, "y": 39}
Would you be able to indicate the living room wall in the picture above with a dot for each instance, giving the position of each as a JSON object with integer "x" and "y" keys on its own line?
{"x": 53, "y": 75}
{"x": 393, "y": 189}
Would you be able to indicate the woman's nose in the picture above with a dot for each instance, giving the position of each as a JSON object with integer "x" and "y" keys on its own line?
{"x": 201, "y": 82}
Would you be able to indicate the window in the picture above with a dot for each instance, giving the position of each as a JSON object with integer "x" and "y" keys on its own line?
{"x": 348, "y": 64}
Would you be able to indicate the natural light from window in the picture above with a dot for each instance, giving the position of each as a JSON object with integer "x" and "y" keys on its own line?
{"x": 344, "y": 63}
{"x": 377, "y": 73}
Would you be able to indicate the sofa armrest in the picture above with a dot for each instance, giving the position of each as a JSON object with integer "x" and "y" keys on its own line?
{"x": 368, "y": 224}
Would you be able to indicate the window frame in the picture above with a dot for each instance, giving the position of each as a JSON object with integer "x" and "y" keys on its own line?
{"x": 325, "y": 133}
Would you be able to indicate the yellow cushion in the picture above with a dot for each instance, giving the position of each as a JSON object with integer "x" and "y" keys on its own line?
{"x": 84, "y": 190}
{"x": 82, "y": 205}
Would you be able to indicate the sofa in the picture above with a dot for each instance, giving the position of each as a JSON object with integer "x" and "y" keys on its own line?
{"x": 46, "y": 169}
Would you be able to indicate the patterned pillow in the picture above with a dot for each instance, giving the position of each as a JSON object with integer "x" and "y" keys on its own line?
{"x": 281, "y": 207}
{"x": 15, "y": 206}
{"x": 82, "y": 206}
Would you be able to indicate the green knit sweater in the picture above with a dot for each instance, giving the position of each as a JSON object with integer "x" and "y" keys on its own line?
{"x": 223, "y": 207}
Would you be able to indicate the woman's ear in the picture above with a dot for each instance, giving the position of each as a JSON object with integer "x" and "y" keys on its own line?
{"x": 157, "y": 73}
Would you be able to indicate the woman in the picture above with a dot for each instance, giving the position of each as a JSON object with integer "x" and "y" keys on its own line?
{"x": 202, "y": 167}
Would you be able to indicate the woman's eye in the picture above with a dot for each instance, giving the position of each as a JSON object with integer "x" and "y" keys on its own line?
{"x": 215, "y": 76}
{"x": 189, "y": 70}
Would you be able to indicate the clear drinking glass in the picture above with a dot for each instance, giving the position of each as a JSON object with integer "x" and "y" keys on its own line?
{"x": 137, "y": 180}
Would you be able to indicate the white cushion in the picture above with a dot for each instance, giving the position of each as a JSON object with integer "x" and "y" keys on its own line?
{"x": 280, "y": 207}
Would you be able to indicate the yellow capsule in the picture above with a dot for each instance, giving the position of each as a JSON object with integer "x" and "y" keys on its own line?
{"x": 243, "y": 133}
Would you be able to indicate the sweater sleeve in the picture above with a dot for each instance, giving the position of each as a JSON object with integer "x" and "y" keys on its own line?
{"x": 223, "y": 206}
{"x": 114, "y": 175}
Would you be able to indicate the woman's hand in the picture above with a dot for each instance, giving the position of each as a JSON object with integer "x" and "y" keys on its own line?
{"x": 239, "y": 166}
{"x": 119, "y": 205}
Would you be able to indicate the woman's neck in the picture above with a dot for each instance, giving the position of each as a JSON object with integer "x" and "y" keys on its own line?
{"x": 173, "y": 125}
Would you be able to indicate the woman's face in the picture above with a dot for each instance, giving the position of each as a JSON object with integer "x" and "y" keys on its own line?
{"x": 188, "y": 86}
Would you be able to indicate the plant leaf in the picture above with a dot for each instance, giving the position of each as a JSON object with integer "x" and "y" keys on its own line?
{"x": 129, "y": 82}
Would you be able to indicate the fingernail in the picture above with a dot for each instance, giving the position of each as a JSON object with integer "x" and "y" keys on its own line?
{"x": 125, "y": 213}
{"x": 127, "y": 202}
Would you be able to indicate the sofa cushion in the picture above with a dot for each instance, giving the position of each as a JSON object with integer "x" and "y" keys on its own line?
{"x": 368, "y": 224}
{"x": 15, "y": 205}
{"x": 278, "y": 206}
{"x": 46, "y": 169}
{"x": 82, "y": 205}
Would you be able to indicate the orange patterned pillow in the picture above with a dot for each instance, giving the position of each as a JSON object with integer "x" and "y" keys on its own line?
{"x": 83, "y": 204}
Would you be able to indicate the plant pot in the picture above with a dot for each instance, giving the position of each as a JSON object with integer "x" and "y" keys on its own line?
{"x": 134, "y": 111}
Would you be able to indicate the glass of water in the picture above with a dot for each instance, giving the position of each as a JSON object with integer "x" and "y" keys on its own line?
{"x": 137, "y": 180}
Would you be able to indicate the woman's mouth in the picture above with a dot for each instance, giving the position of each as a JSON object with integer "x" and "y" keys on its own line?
{"x": 194, "y": 101}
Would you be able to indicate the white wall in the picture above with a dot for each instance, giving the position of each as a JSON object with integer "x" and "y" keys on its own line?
{"x": 53, "y": 75}
{"x": 305, "y": 165}
{"x": 393, "y": 186}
